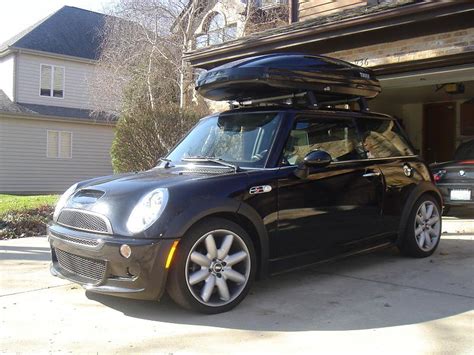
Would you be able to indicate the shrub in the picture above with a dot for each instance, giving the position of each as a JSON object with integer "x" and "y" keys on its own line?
{"x": 143, "y": 136}
{"x": 25, "y": 223}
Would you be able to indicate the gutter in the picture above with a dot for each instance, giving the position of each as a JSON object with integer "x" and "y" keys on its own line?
{"x": 390, "y": 18}
{"x": 55, "y": 118}
{"x": 19, "y": 50}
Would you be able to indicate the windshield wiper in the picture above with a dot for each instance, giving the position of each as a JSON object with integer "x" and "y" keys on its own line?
{"x": 167, "y": 162}
{"x": 212, "y": 160}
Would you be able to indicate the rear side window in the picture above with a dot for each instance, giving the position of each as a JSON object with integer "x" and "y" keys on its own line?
{"x": 384, "y": 139}
{"x": 336, "y": 137}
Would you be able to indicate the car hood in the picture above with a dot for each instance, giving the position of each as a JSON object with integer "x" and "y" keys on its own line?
{"x": 115, "y": 196}
{"x": 131, "y": 186}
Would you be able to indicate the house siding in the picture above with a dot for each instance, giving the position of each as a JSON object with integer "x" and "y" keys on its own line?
{"x": 25, "y": 168}
{"x": 77, "y": 81}
{"x": 7, "y": 75}
{"x": 308, "y": 9}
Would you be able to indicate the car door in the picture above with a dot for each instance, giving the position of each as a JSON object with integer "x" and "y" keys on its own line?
{"x": 389, "y": 150}
{"x": 334, "y": 206}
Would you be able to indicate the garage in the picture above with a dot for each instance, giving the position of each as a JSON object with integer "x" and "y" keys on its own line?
{"x": 422, "y": 53}
{"x": 435, "y": 106}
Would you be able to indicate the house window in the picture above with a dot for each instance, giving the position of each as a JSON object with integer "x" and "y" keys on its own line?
{"x": 263, "y": 4}
{"x": 59, "y": 144}
{"x": 52, "y": 81}
{"x": 215, "y": 31}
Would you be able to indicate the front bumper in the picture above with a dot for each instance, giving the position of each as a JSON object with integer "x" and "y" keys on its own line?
{"x": 94, "y": 261}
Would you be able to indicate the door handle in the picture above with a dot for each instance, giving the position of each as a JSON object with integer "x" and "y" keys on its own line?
{"x": 371, "y": 174}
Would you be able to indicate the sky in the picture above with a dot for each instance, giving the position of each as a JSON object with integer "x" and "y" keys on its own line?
{"x": 16, "y": 15}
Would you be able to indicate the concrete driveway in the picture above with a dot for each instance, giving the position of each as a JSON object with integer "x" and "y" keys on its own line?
{"x": 378, "y": 303}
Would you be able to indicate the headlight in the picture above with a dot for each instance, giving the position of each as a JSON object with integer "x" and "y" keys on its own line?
{"x": 62, "y": 201}
{"x": 147, "y": 210}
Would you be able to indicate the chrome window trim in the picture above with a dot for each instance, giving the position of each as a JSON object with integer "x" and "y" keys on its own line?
{"x": 105, "y": 219}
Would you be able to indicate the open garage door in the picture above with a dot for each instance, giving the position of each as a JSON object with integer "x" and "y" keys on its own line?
{"x": 430, "y": 109}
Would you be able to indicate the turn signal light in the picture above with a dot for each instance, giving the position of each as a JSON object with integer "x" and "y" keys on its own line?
{"x": 171, "y": 253}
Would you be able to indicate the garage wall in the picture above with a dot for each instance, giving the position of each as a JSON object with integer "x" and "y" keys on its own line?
{"x": 412, "y": 116}
{"x": 25, "y": 167}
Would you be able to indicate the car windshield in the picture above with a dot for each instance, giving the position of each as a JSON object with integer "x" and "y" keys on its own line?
{"x": 243, "y": 139}
{"x": 465, "y": 151}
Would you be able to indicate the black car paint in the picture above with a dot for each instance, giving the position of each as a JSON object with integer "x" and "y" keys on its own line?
{"x": 280, "y": 223}
{"x": 452, "y": 179}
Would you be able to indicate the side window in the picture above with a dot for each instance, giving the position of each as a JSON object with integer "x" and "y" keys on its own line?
{"x": 336, "y": 137}
{"x": 384, "y": 139}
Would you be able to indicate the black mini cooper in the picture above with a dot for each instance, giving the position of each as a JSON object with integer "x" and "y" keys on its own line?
{"x": 247, "y": 193}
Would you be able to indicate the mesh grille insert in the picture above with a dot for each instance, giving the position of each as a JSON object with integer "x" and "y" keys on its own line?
{"x": 81, "y": 241}
{"x": 83, "y": 220}
{"x": 85, "y": 267}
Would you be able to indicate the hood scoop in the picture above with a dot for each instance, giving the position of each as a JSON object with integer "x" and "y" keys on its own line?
{"x": 205, "y": 170}
{"x": 87, "y": 197}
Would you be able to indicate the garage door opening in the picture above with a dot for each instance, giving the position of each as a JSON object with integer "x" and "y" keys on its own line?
{"x": 436, "y": 121}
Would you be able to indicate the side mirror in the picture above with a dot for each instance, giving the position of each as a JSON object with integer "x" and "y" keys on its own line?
{"x": 314, "y": 159}
{"x": 317, "y": 158}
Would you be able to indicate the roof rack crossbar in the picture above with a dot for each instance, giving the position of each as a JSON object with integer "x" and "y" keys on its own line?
{"x": 270, "y": 99}
{"x": 312, "y": 101}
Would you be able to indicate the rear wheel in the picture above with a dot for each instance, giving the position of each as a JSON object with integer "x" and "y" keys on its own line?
{"x": 423, "y": 229}
{"x": 214, "y": 267}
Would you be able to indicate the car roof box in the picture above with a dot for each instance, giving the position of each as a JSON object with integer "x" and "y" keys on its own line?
{"x": 282, "y": 74}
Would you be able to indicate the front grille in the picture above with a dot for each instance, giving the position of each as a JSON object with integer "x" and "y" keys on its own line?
{"x": 81, "y": 241}
{"x": 85, "y": 267}
{"x": 84, "y": 220}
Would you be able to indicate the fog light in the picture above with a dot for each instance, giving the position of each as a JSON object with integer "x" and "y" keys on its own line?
{"x": 125, "y": 251}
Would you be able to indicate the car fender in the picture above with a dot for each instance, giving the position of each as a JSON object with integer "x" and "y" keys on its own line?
{"x": 195, "y": 213}
{"x": 420, "y": 189}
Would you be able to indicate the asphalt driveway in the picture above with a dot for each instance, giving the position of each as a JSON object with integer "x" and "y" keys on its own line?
{"x": 378, "y": 303}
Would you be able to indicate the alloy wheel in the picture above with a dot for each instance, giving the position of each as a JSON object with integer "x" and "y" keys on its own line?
{"x": 218, "y": 268}
{"x": 427, "y": 226}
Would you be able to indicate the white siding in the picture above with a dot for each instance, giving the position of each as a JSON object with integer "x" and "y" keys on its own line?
{"x": 76, "y": 88}
{"x": 7, "y": 75}
{"x": 24, "y": 166}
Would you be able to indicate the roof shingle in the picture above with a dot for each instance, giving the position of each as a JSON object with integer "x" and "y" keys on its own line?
{"x": 7, "y": 106}
{"x": 69, "y": 31}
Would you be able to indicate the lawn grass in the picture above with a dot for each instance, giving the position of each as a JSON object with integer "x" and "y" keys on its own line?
{"x": 19, "y": 203}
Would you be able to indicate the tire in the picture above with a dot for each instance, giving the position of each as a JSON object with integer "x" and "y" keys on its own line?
{"x": 423, "y": 229}
{"x": 214, "y": 267}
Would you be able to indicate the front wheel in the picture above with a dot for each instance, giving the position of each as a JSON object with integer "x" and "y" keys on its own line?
{"x": 423, "y": 229}
{"x": 214, "y": 267}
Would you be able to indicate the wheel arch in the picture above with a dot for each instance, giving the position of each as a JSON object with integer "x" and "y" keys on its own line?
{"x": 421, "y": 189}
{"x": 239, "y": 213}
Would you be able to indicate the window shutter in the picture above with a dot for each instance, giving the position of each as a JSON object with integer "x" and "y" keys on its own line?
{"x": 53, "y": 137}
{"x": 66, "y": 145}
{"x": 46, "y": 72}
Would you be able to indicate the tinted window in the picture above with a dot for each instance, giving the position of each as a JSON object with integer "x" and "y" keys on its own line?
{"x": 336, "y": 137}
{"x": 465, "y": 151}
{"x": 384, "y": 139}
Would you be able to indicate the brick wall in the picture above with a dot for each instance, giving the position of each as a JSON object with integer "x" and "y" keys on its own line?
{"x": 417, "y": 48}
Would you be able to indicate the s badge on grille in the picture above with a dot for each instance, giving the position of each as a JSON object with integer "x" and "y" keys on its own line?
{"x": 462, "y": 172}
{"x": 260, "y": 189}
